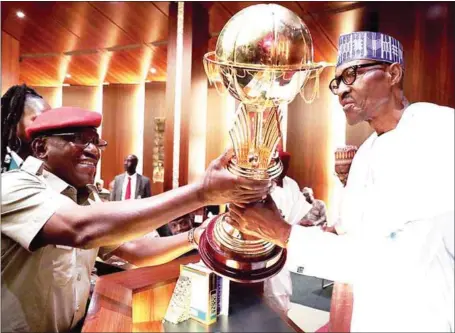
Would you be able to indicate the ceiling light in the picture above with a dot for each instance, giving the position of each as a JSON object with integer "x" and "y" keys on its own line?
{"x": 20, "y": 14}
{"x": 148, "y": 81}
{"x": 105, "y": 83}
{"x": 68, "y": 75}
{"x": 153, "y": 70}
{"x": 66, "y": 84}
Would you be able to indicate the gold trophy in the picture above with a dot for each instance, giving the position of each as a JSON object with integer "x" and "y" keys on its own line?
{"x": 263, "y": 58}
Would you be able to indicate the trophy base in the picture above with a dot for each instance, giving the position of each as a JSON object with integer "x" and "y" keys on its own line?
{"x": 242, "y": 259}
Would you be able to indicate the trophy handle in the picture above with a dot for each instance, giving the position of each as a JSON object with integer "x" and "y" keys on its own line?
{"x": 315, "y": 74}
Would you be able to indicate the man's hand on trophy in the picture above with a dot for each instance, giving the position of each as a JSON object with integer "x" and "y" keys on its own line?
{"x": 262, "y": 220}
{"x": 219, "y": 186}
{"x": 199, "y": 230}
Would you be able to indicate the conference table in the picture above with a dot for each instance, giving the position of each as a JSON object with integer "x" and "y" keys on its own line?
{"x": 136, "y": 300}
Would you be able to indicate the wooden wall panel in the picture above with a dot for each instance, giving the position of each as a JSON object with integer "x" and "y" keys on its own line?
{"x": 170, "y": 100}
{"x": 155, "y": 106}
{"x": 83, "y": 96}
{"x": 122, "y": 105}
{"x": 428, "y": 38}
{"x": 10, "y": 61}
{"x": 193, "y": 88}
{"x": 53, "y": 95}
{"x": 197, "y": 105}
{"x": 309, "y": 140}
{"x": 219, "y": 112}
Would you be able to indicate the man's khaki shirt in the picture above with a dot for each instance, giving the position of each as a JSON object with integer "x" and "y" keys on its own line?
{"x": 44, "y": 290}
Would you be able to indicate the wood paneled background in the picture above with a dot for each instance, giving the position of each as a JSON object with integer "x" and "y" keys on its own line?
{"x": 86, "y": 97}
{"x": 10, "y": 61}
{"x": 122, "y": 106}
{"x": 220, "y": 109}
{"x": 53, "y": 95}
{"x": 309, "y": 140}
{"x": 118, "y": 42}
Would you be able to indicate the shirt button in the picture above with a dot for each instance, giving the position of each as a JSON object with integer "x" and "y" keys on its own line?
{"x": 78, "y": 276}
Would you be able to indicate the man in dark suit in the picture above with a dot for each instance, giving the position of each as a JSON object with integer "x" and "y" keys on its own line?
{"x": 131, "y": 185}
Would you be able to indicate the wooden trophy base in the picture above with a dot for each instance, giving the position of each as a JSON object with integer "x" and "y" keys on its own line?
{"x": 241, "y": 259}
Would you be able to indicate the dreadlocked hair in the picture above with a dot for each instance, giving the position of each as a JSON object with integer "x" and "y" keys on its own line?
{"x": 13, "y": 103}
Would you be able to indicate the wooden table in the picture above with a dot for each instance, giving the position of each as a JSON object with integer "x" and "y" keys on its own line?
{"x": 137, "y": 300}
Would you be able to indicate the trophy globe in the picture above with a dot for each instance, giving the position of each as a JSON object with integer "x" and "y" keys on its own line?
{"x": 263, "y": 58}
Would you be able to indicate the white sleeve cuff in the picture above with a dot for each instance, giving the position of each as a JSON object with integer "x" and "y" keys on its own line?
{"x": 313, "y": 252}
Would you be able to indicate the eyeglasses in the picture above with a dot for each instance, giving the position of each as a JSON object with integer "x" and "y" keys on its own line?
{"x": 349, "y": 75}
{"x": 83, "y": 139}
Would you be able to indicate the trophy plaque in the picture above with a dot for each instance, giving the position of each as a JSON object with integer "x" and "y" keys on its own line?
{"x": 263, "y": 58}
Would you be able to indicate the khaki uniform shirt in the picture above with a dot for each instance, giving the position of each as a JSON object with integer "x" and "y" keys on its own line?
{"x": 44, "y": 290}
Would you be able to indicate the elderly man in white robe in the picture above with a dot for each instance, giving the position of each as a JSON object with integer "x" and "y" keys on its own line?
{"x": 398, "y": 250}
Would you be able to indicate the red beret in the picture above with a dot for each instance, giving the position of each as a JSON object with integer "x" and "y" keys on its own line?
{"x": 63, "y": 117}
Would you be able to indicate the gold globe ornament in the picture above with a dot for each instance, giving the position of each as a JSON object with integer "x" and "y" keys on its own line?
{"x": 263, "y": 58}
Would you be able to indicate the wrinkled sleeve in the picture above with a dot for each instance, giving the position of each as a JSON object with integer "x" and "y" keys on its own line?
{"x": 299, "y": 206}
{"x": 27, "y": 204}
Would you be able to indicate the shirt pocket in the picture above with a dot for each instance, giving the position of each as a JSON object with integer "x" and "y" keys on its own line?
{"x": 61, "y": 261}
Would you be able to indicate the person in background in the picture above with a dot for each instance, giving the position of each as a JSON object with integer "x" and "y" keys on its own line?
{"x": 343, "y": 160}
{"x": 398, "y": 252}
{"x": 102, "y": 192}
{"x": 286, "y": 194}
{"x": 181, "y": 224}
{"x": 20, "y": 106}
{"x": 293, "y": 206}
{"x": 317, "y": 216}
{"x": 131, "y": 185}
{"x": 53, "y": 229}
{"x": 111, "y": 186}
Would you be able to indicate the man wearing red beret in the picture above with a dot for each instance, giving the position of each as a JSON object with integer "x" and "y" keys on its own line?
{"x": 51, "y": 236}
